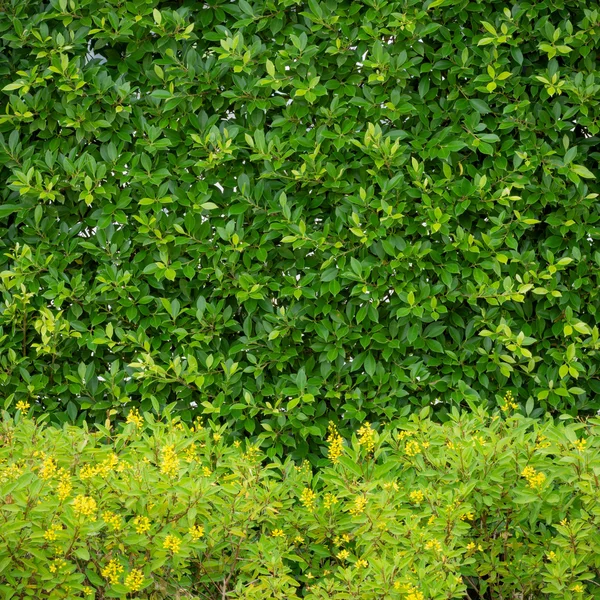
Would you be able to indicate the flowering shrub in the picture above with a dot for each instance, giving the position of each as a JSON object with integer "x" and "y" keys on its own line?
{"x": 485, "y": 505}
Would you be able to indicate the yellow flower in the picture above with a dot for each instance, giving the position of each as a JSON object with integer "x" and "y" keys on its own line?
{"x": 330, "y": 500}
{"x": 360, "y": 503}
{"x": 49, "y": 468}
{"x": 578, "y": 588}
{"x": 87, "y": 591}
{"x": 541, "y": 442}
{"x": 170, "y": 463}
{"x": 551, "y": 555}
{"x": 217, "y": 437}
{"x": 412, "y": 448}
{"x": 196, "y": 531}
{"x": 361, "y": 563}
{"x": 172, "y": 543}
{"x": 86, "y": 506}
{"x": 299, "y": 539}
{"x": 336, "y": 443}
{"x": 307, "y": 498}
{"x": 206, "y": 472}
{"x": 190, "y": 453}
{"x": 343, "y": 554}
{"x": 134, "y": 580}
{"x": 278, "y": 533}
{"x": 22, "y": 405}
{"x": 580, "y": 445}
{"x": 141, "y": 524}
{"x": 112, "y": 571}
{"x": 417, "y": 496}
{"x": 433, "y": 545}
{"x": 509, "y": 402}
{"x": 64, "y": 484}
{"x": 534, "y": 479}
{"x": 112, "y": 519}
{"x": 135, "y": 418}
{"x": 52, "y": 534}
{"x": 365, "y": 437}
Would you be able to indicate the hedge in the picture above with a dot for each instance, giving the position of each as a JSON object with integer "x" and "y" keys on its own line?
{"x": 484, "y": 506}
{"x": 277, "y": 213}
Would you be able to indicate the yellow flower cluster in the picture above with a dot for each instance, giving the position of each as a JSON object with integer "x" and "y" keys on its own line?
{"x": 360, "y": 503}
{"x": 336, "y": 443}
{"x": 405, "y": 434}
{"x": 172, "y": 543}
{"x": 307, "y": 498}
{"x": 11, "y": 471}
{"x": 110, "y": 518}
{"x": 434, "y": 545}
{"x": 330, "y": 500}
{"x": 52, "y": 533}
{"x": 471, "y": 547}
{"x": 49, "y": 468}
{"x": 135, "y": 418}
{"x": 252, "y": 453}
{"x": 412, "y": 448}
{"x": 104, "y": 469}
{"x": 343, "y": 554}
{"x": 541, "y": 442}
{"x": 86, "y": 506}
{"x": 278, "y": 533}
{"x": 134, "y": 580}
{"x": 361, "y": 563}
{"x": 57, "y": 565}
{"x": 580, "y": 445}
{"x": 416, "y": 496}
{"x": 578, "y": 588}
{"x": 411, "y": 592}
{"x": 112, "y": 571}
{"x": 64, "y": 484}
{"x": 534, "y": 478}
{"x": 191, "y": 452}
{"x": 509, "y": 402}
{"x": 170, "y": 463}
{"x": 196, "y": 531}
{"x": 141, "y": 524}
{"x": 23, "y": 405}
{"x": 469, "y": 516}
{"x": 366, "y": 437}
{"x": 344, "y": 539}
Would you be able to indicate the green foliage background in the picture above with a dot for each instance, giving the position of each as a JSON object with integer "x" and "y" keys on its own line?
{"x": 289, "y": 212}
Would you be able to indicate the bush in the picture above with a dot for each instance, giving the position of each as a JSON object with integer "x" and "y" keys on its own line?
{"x": 281, "y": 213}
{"x": 493, "y": 505}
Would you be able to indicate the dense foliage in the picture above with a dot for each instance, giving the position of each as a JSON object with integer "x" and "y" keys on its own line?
{"x": 496, "y": 506}
{"x": 278, "y": 213}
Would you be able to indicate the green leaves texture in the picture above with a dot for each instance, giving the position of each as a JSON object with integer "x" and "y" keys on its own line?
{"x": 397, "y": 199}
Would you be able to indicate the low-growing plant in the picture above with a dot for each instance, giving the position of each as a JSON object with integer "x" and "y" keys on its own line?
{"x": 484, "y": 506}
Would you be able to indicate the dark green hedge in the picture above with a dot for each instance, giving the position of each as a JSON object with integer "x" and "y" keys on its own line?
{"x": 289, "y": 212}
